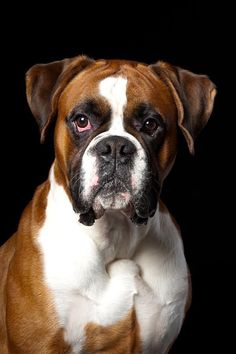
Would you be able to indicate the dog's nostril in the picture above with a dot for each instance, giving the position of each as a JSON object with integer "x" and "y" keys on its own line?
{"x": 106, "y": 150}
{"x": 127, "y": 149}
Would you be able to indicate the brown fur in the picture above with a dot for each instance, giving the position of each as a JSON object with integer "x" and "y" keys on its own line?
{"x": 122, "y": 337}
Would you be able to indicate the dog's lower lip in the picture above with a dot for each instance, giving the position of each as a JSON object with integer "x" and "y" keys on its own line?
{"x": 112, "y": 184}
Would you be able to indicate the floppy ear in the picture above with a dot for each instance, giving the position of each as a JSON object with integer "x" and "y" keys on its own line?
{"x": 44, "y": 85}
{"x": 193, "y": 95}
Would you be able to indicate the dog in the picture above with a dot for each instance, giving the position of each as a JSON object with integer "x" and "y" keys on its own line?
{"x": 97, "y": 264}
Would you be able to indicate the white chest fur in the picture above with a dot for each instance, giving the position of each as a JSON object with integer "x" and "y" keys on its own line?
{"x": 89, "y": 284}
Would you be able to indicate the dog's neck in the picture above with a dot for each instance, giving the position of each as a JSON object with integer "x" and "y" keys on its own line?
{"x": 114, "y": 234}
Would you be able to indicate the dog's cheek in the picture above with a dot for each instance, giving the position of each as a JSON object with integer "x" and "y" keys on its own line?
{"x": 167, "y": 154}
{"x": 89, "y": 175}
{"x": 65, "y": 148}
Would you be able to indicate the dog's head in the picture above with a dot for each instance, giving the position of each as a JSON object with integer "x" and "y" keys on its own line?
{"x": 116, "y": 128}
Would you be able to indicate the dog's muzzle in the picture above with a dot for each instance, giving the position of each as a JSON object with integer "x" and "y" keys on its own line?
{"x": 119, "y": 180}
{"x": 115, "y": 155}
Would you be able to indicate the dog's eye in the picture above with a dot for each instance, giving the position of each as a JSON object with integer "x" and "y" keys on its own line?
{"x": 150, "y": 126}
{"x": 82, "y": 123}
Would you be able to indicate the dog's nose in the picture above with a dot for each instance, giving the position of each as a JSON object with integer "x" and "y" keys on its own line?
{"x": 115, "y": 148}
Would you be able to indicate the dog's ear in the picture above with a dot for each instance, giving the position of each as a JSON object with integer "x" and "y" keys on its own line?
{"x": 44, "y": 85}
{"x": 193, "y": 95}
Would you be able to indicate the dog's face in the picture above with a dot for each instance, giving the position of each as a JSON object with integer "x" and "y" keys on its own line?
{"x": 120, "y": 122}
{"x": 116, "y": 128}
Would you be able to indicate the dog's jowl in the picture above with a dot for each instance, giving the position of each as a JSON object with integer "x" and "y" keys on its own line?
{"x": 97, "y": 263}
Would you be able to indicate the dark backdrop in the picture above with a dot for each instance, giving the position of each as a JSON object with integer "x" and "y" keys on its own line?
{"x": 195, "y": 36}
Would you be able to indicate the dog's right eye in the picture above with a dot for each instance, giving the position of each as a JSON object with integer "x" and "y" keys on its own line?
{"x": 82, "y": 123}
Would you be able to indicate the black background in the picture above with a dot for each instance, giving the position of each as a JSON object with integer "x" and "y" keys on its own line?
{"x": 194, "y": 35}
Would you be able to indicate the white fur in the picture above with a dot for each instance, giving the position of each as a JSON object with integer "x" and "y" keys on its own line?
{"x": 89, "y": 173}
{"x": 114, "y": 90}
{"x": 162, "y": 262}
{"x": 89, "y": 283}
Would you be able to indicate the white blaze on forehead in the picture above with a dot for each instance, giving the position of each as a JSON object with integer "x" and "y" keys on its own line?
{"x": 114, "y": 90}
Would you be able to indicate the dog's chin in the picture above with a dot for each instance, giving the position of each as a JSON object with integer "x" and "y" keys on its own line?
{"x": 121, "y": 201}
{"x": 113, "y": 201}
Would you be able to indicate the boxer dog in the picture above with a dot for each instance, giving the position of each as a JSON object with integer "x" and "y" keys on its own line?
{"x": 97, "y": 263}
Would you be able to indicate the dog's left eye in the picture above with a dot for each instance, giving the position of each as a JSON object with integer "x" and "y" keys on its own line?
{"x": 150, "y": 126}
{"x": 82, "y": 123}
